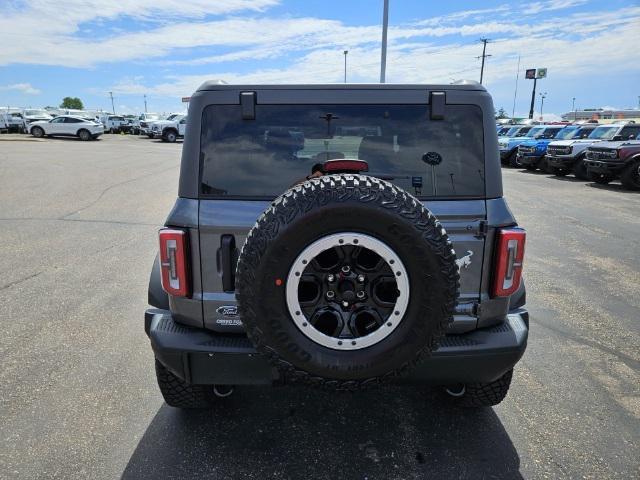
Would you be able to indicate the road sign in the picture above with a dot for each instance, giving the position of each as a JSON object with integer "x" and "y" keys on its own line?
{"x": 542, "y": 73}
{"x": 186, "y": 99}
{"x": 530, "y": 73}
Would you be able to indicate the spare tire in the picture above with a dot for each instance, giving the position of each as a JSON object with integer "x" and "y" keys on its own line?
{"x": 346, "y": 281}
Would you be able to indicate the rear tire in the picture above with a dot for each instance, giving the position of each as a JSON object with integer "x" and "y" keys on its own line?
{"x": 179, "y": 394}
{"x": 84, "y": 135}
{"x": 473, "y": 395}
{"x": 630, "y": 176}
{"x": 37, "y": 132}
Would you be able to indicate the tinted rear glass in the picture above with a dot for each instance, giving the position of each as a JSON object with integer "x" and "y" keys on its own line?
{"x": 264, "y": 157}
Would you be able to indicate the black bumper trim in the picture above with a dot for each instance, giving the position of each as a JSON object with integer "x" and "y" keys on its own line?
{"x": 529, "y": 159}
{"x": 561, "y": 162}
{"x": 199, "y": 356}
{"x": 599, "y": 166}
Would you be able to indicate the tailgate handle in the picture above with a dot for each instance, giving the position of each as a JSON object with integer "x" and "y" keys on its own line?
{"x": 228, "y": 258}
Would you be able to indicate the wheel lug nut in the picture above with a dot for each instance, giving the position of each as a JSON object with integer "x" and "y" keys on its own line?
{"x": 346, "y": 269}
{"x": 360, "y": 294}
{"x": 331, "y": 278}
{"x": 331, "y": 294}
{"x": 361, "y": 278}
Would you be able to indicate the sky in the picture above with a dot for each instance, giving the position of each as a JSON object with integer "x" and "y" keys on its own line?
{"x": 165, "y": 49}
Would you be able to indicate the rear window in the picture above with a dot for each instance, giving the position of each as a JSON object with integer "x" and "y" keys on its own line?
{"x": 262, "y": 158}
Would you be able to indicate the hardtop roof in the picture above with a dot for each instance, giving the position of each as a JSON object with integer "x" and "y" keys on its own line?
{"x": 468, "y": 85}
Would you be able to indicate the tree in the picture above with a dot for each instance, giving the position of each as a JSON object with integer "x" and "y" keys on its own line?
{"x": 501, "y": 114}
{"x": 72, "y": 102}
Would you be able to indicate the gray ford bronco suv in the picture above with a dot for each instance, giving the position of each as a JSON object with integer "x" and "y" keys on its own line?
{"x": 338, "y": 236}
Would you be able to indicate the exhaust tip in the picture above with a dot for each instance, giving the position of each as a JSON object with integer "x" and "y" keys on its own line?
{"x": 222, "y": 391}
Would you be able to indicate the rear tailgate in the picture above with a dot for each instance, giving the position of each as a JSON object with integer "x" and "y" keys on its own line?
{"x": 224, "y": 225}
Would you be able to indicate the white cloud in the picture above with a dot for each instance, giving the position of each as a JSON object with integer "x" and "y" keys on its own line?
{"x": 607, "y": 44}
{"x": 25, "y": 88}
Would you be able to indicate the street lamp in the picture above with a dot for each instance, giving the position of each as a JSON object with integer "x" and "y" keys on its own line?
{"x": 345, "y": 65}
{"x": 542, "y": 97}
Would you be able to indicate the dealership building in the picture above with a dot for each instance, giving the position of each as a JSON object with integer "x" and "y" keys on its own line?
{"x": 603, "y": 115}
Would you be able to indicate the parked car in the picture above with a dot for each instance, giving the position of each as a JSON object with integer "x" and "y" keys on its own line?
{"x": 139, "y": 125}
{"x": 607, "y": 161}
{"x": 567, "y": 156}
{"x": 168, "y": 118}
{"x": 508, "y": 146}
{"x": 279, "y": 269}
{"x": 172, "y": 124}
{"x": 69, "y": 126}
{"x": 34, "y": 115}
{"x": 532, "y": 154}
{"x": 174, "y": 130}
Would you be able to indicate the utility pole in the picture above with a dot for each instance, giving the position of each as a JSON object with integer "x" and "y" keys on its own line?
{"x": 483, "y": 56}
{"x": 345, "y": 65}
{"x": 573, "y": 108}
{"x": 112, "y": 106}
{"x": 515, "y": 93}
{"x": 383, "y": 59}
{"x": 145, "y": 103}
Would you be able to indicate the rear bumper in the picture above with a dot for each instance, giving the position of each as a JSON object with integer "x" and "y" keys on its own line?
{"x": 200, "y": 356}
{"x": 599, "y": 166}
{"x": 558, "y": 161}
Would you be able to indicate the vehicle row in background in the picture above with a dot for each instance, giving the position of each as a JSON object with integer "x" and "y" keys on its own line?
{"x": 589, "y": 151}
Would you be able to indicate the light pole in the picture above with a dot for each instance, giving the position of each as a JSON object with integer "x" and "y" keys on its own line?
{"x": 345, "y": 65}
{"x": 112, "y": 106}
{"x": 542, "y": 97}
{"x": 145, "y": 103}
{"x": 573, "y": 108}
{"x": 383, "y": 59}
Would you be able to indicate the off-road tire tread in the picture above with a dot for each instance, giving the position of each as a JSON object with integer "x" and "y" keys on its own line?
{"x": 486, "y": 394}
{"x": 316, "y": 192}
{"x": 179, "y": 394}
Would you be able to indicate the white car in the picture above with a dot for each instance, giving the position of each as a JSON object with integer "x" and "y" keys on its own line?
{"x": 67, "y": 125}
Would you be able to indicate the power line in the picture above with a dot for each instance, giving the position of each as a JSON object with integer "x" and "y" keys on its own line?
{"x": 483, "y": 56}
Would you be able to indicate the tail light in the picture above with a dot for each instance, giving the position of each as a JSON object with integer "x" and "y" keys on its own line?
{"x": 509, "y": 255}
{"x": 174, "y": 261}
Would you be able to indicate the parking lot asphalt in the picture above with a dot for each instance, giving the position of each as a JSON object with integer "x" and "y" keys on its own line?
{"x": 78, "y": 397}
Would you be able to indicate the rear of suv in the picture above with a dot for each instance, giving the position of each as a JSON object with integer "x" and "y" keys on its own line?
{"x": 341, "y": 237}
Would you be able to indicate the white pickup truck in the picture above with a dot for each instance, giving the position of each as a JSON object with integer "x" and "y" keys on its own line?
{"x": 171, "y": 129}
{"x": 113, "y": 123}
